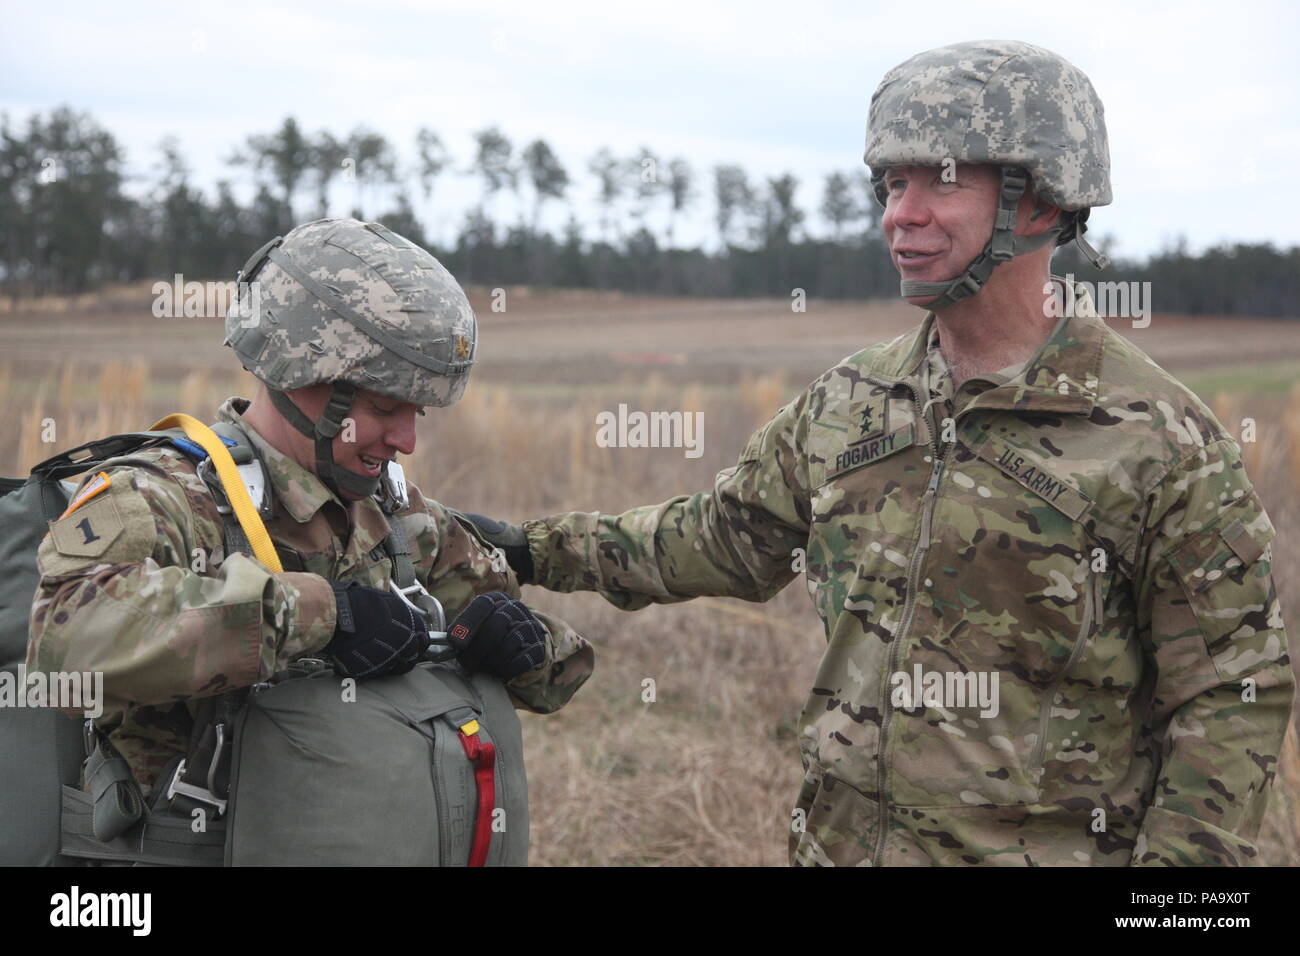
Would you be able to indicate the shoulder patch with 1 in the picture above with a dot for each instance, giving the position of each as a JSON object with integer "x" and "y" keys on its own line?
{"x": 89, "y": 529}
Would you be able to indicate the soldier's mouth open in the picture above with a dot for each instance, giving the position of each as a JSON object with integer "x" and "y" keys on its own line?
{"x": 371, "y": 466}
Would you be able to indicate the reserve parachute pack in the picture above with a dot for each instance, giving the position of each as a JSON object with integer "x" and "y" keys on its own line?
{"x": 424, "y": 768}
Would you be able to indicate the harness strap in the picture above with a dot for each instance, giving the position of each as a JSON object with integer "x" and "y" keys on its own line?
{"x": 116, "y": 801}
{"x": 156, "y": 839}
{"x": 231, "y": 483}
{"x": 399, "y": 553}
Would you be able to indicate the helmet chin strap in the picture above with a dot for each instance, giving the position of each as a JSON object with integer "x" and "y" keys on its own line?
{"x": 1003, "y": 246}
{"x": 322, "y": 432}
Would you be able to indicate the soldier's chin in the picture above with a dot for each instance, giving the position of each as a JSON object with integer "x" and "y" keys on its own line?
{"x": 352, "y": 495}
{"x": 921, "y": 301}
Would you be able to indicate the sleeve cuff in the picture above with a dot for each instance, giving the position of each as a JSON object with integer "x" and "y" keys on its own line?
{"x": 1176, "y": 839}
{"x": 310, "y": 615}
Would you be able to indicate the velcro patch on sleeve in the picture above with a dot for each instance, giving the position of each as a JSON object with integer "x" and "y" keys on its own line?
{"x": 113, "y": 526}
{"x": 1243, "y": 545}
{"x": 88, "y": 530}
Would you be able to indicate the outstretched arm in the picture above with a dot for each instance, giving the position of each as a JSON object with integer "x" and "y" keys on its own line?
{"x": 1210, "y": 621}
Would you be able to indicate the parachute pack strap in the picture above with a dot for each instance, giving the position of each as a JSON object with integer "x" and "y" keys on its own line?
{"x": 234, "y": 538}
{"x": 64, "y": 464}
{"x": 483, "y": 756}
{"x": 231, "y": 483}
{"x": 399, "y": 553}
{"x": 157, "y": 838}
{"x": 336, "y": 303}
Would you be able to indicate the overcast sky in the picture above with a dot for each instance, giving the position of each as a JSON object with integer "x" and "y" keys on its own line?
{"x": 1201, "y": 99}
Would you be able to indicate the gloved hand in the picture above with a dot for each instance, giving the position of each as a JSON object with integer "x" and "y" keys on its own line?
{"x": 498, "y": 635}
{"x": 376, "y": 632}
{"x": 510, "y": 539}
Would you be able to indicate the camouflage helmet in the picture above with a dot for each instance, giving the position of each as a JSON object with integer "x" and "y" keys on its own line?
{"x": 1002, "y": 103}
{"x": 355, "y": 305}
{"x": 339, "y": 300}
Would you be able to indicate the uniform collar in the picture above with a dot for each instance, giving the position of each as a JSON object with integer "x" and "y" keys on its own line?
{"x": 300, "y": 491}
{"x": 1063, "y": 376}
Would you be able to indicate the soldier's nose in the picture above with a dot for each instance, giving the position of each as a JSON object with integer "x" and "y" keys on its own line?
{"x": 909, "y": 210}
{"x": 401, "y": 433}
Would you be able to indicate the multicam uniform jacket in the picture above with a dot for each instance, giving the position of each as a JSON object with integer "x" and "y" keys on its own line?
{"x": 1080, "y": 530}
{"x": 155, "y": 606}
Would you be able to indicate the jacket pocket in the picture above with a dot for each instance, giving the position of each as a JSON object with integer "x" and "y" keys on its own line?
{"x": 839, "y": 828}
{"x": 1089, "y": 624}
{"x": 1226, "y": 574}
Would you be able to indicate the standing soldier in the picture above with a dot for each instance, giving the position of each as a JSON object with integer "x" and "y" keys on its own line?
{"x": 1010, "y": 498}
{"x": 357, "y": 329}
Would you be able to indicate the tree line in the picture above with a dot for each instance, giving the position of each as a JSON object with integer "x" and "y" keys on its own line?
{"x": 67, "y": 223}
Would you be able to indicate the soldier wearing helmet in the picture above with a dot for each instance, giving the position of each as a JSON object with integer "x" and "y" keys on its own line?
{"x": 1044, "y": 577}
{"x": 352, "y": 330}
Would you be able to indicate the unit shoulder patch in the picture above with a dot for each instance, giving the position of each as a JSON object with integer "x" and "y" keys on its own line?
{"x": 88, "y": 528}
{"x": 111, "y": 526}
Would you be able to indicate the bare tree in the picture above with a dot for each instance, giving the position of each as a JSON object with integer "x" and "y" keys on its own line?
{"x": 781, "y": 217}
{"x": 680, "y": 187}
{"x": 643, "y": 178}
{"x": 373, "y": 163}
{"x": 839, "y": 205}
{"x": 733, "y": 195}
{"x": 870, "y": 210}
{"x": 432, "y": 159}
{"x": 606, "y": 169}
{"x": 547, "y": 175}
{"x": 327, "y": 156}
{"x": 493, "y": 162}
{"x": 285, "y": 154}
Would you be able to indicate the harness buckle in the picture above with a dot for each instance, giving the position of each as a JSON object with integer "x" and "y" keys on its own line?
{"x": 392, "y": 488}
{"x": 429, "y": 608}
{"x": 207, "y": 794}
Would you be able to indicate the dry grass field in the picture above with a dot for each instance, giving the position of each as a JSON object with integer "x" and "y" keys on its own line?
{"x": 707, "y": 774}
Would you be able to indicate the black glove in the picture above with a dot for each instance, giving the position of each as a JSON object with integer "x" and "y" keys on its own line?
{"x": 498, "y": 635}
{"x": 376, "y": 632}
{"x": 510, "y": 539}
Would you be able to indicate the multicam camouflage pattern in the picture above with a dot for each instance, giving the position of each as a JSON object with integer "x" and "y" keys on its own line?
{"x": 167, "y": 619}
{"x": 1082, "y": 528}
{"x": 289, "y": 338}
{"x": 999, "y": 102}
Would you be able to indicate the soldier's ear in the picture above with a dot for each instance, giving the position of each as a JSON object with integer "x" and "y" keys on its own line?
{"x": 1044, "y": 217}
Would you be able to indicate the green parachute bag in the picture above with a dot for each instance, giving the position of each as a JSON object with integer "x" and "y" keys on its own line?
{"x": 420, "y": 769}
{"x": 40, "y": 749}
